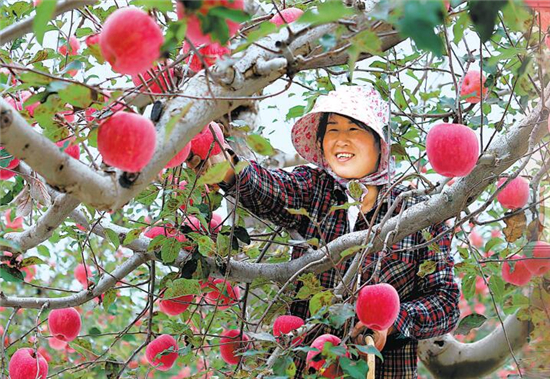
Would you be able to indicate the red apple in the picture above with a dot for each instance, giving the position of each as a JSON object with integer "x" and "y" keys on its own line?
{"x": 210, "y": 54}
{"x": 176, "y": 306}
{"x": 378, "y": 306}
{"x": 73, "y": 44}
{"x": 538, "y": 5}
{"x": 15, "y": 224}
{"x": 231, "y": 344}
{"x": 476, "y": 239}
{"x": 452, "y": 149}
{"x": 194, "y": 31}
{"x": 158, "y": 346}
{"x": 130, "y": 41}
{"x": 516, "y": 193}
{"x": 5, "y": 174}
{"x": 82, "y": 273}
{"x": 160, "y": 83}
{"x": 333, "y": 371}
{"x": 64, "y": 324}
{"x": 70, "y": 147}
{"x": 92, "y": 40}
{"x": 471, "y": 85}
{"x": 541, "y": 264}
{"x": 222, "y": 293}
{"x": 127, "y": 141}
{"x": 519, "y": 275}
{"x": 286, "y": 16}
{"x": 180, "y": 157}
{"x": 200, "y": 145}
{"x": 286, "y": 324}
{"x": 26, "y": 364}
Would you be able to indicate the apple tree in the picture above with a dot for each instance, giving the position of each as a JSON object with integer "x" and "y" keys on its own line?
{"x": 120, "y": 261}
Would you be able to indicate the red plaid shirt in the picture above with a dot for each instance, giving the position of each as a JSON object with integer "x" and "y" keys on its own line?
{"x": 429, "y": 304}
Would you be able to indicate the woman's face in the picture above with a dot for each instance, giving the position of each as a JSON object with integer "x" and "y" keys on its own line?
{"x": 350, "y": 151}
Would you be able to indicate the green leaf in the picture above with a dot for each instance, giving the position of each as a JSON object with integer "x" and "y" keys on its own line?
{"x": 320, "y": 300}
{"x": 352, "y": 250}
{"x": 10, "y": 274}
{"x": 31, "y": 261}
{"x": 170, "y": 250}
{"x": 182, "y": 287}
{"x": 148, "y": 195}
{"x": 76, "y": 95}
{"x": 83, "y": 346}
{"x": 311, "y": 285}
{"x": 174, "y": 120}
{"x": 161, "y": 5}
{"x": 109, "y": 298}
{"x": 296, "y": 111}
{"x": 426, "y": 268}
{"x": 419, "y": 21}
{"x": 483, "y": 15}
{"x": 340, "y": 313}
{"x": 326, "y": 12}
{"x": 113, "y": 237}
{"x": 470, "y": 322}
{"x": 35, "y": 79}
{"x": 301, "y": 211}
{"x": 354, "y": 369}
{"x": 44, "y": 13}
{"x": 260, "y": 145}
{"x": 469, "y": 286}
{"x": 214, "y": 174}
{"x": 497, "y": 286}
{"x": 131, "y": 236}
{"x": 369, "y": 350}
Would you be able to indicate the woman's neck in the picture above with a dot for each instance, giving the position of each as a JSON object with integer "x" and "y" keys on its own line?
{"x": 370, "y": 199}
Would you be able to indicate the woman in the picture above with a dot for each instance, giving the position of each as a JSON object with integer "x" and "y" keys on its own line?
{"x": 343, "y": 136}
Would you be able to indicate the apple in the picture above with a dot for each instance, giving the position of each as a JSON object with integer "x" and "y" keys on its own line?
{"x": 74, "y": 45}
{"x": 231, "y": 344}
{"x": 541, "y": 264}
{"x": 27, "y": 364}
{"x": 64, "y": 324}
{"x": 286, "y": 16}
{"x": 210, "y": 54}
{"x": 516, "y": 193}
{"x": 286, "y": 324}
{"x": 473, "y": 81}
{"x": 176, "y": 306}
{"x": 161, "y": 345}
{"x": 201, "y": 143}
{"x": 519, "y": 275}
{"x": 378, "y": 306}
{"x": 452, "y": 149}
{"x": 229, "y": 297}
{"x": 333, "y": 371}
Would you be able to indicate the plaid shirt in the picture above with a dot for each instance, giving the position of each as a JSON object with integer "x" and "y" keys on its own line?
{"x": 429, "y": 304}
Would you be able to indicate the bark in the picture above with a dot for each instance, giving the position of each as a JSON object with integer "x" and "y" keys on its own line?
{"x": 446, "y": 358}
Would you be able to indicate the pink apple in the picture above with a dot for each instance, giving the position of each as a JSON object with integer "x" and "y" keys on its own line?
{"x": 157, "y": 352}
{"x": 231, "y": 344}
{"x": 64, "y": 324}
{"x": 471, "y": 85}
{"x": 378, "y": 306}
{"x": 516, "y": 193}
{"x": 27, "y": 364}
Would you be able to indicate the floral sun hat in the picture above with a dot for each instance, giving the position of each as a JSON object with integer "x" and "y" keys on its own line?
{"x": 362, "y": 103}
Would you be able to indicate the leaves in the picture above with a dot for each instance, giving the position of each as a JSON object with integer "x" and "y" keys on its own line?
{"x": 470, "y": 322}
{"x": 326, "y": 12}
{"x": 170, "y": 250}
{"x": 426, "y": 268}
{"x": 44, "y": 13}
{"x": 320, "y": 300}
{"x": 515, "y": 227}
{"x": 483, "y": 15}
{"x": 10, "y": 274}
{"x": 260, "y": 145}
{"x": 355, "y": 369}
{"x": 340, "y": 313}
{"x": 76, "y": 95}
{"x": 181, "y": 287}
{"x": 109, "y": 298}
{"x": 311, "y": 285}
{"x": 419, "y": 20}
{"x": 214, "y": 174}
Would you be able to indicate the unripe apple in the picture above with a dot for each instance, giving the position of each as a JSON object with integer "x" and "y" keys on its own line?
{"x": 159, "y": 83}
{"x": 180, "y": 157}
{"x": 516, "y": 193}
{"x": 176, "y": 306}
{"x": 200, "y": 145}
{"x": 159, "y": 345}
{"x": 130, "y": 41}
{"x": 70, "y": 147}
{"x": 26, "y": 364}
{"x": 64, "y": 324}
{"x": 473, "y": 82}
{"x": 378, "y": 306}
{"x": 333, "y": 371}
{"x": 231, "y": 344}
{"x": 73, "y": 44}
{"x": 210, "y": 54}
{"x": 286, "y": 324}
{"x": 520, "y": 275}
{"x": 228, "y": 295}
{"x": 541, "y": 264}
{"x": 286, "y": 16}
{"x": 127, "y": 141}
{"x": 452, "y": 149}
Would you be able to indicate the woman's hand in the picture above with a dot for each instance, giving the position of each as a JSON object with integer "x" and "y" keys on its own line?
{"x": 195, "y": 163}
{"x": 379, "y": 337}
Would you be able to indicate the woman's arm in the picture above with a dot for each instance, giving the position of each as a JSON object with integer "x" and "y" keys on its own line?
{"x": 435, "y": 312}
{"x": 269, "y": 193}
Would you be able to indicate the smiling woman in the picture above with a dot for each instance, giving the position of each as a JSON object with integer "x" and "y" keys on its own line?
{"x": 344, "y": 137}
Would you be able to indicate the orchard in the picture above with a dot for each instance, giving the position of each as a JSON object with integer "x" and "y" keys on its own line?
{"x": 122, "y": 257}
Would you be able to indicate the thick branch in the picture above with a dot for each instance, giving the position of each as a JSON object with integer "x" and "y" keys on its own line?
{"x": 447, "y": 358}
